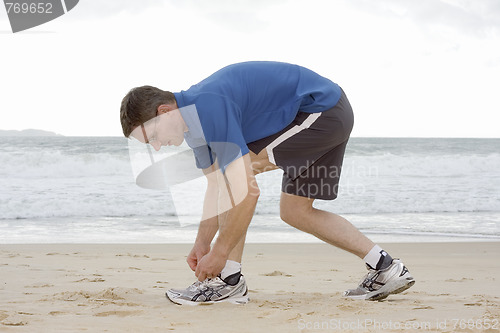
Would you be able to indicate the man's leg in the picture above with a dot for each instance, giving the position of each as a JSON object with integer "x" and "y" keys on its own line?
{"x": 237, "y": 251}
{"x": 331, "y": 228}
{"x": 233, "y": 263}
{"x": 260, "y": 163}
{"x": 391, "y": 277}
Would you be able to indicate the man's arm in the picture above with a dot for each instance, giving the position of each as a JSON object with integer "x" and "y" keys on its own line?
{"x": 238, "y": 188}
{"x": 209, "y": 222}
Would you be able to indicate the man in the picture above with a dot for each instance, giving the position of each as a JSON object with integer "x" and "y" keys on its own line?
{"x": 253, "y": 117}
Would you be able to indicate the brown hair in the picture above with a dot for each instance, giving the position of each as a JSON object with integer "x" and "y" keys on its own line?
{"x": 140, "y": 105}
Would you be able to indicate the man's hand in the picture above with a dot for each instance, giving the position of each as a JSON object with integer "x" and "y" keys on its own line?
{"x": 197, "y": 252}
{"x": 210, "y": 265}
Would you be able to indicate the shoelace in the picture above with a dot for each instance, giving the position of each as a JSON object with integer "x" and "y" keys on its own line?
{"x": 201, "y": 284}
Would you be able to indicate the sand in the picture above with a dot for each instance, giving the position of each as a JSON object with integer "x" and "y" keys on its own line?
{"x": 293, "y": 288}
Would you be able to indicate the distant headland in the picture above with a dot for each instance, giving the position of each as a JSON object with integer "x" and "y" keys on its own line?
{"x": 27, "y": 132}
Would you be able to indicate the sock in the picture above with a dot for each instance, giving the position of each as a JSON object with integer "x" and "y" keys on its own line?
{"x": 231, "y": 268}
{"x": 377, "y": 258}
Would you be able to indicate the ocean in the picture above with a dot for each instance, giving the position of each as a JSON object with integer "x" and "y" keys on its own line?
{"x": 82, "y": 190}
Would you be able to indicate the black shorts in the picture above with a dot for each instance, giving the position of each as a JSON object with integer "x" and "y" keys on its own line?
{"x": 310, "y": 151}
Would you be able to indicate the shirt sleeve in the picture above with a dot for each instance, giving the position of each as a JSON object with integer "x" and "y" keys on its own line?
{"x": 220, "y": 120}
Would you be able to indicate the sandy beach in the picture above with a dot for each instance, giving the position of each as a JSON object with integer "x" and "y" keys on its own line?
{"x": 293, "y": 288}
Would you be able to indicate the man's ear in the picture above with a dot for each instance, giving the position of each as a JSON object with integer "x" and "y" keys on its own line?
{"x": 164, "y": 108}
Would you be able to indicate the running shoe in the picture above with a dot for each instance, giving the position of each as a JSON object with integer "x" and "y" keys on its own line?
{"x": 378, "y": 284}
{"x": 233, "y": 289}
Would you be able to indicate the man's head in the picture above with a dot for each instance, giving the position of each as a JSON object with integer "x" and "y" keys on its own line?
{"x": 142, "y": 104}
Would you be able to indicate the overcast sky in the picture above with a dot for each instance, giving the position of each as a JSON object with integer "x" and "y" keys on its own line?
{"x": 427, "y": 68}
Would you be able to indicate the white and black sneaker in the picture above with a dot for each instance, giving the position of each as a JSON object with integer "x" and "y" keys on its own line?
{"x": 378, "y": 284}
{"x": 232, "y": 289}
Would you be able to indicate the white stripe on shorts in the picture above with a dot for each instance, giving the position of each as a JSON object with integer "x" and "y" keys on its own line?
{"x": 291, "y": 132}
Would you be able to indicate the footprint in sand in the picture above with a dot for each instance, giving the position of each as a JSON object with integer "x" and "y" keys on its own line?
{"x": 40, "y": 285}
{"x": 90, "y": 280}
{"x": 118, "y": 313}
{"x": 461, "y": 280}
{"x": 132, "y": 255}
{"x": 14, "y": 320}
{"x": 276, "y": 273}
{"x": 56, "y": 313}
{"x": 350, "y": 307}
{"x": 10, "y": 323}
{"x": 106, "y": 296}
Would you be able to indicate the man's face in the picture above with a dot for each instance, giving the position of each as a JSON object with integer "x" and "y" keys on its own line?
{"x": 166, "y": 129}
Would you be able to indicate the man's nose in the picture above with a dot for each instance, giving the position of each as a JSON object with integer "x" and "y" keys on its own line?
{"x": 156, "y": 145}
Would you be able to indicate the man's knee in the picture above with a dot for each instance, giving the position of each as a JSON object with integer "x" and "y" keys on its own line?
{"x": 293, "y": 209}
{"x": 287, "y": 215}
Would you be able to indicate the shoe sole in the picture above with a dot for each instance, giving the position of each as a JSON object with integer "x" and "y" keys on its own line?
{"x": 234, "y": 300}
{"x": 389, "y": 289}
{"x": 392, "y": 288}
